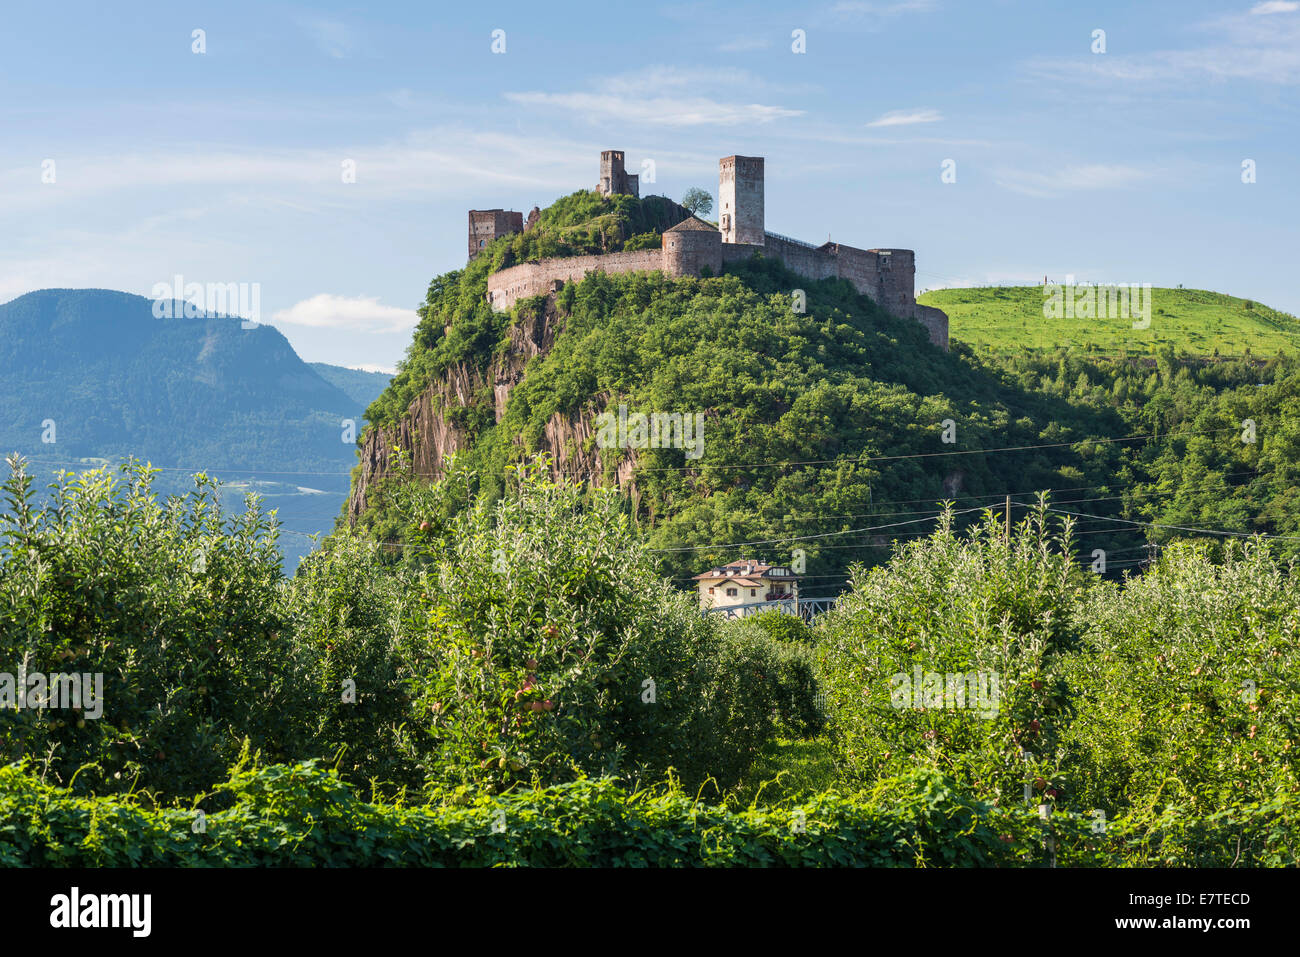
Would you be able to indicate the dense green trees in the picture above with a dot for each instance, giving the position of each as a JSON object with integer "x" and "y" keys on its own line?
{"x": 527, "y": 640}
{"x": 529, "y": 643}
{"x": 1175, "y": 690}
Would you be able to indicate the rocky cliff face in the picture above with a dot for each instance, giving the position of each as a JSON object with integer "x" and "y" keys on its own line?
{"x": 428, "y": 433}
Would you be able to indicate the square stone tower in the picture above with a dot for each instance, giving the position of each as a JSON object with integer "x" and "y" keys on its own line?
{"x": 613, "y": 176}
{"x": 486, "y": 225}
{"x": 740, "y": 199}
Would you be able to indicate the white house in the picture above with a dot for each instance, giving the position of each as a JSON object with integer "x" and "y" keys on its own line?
{"x": 746, "y": 582}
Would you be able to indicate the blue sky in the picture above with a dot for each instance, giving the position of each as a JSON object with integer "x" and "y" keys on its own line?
{"x": 225, "y": 166}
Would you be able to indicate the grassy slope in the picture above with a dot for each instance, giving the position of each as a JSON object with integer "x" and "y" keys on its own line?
{"x": 1010, "y": 319}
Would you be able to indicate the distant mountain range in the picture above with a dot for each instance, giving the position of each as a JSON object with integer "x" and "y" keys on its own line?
{"x": 360, "y": 385}
{"x": 91, "y": 376}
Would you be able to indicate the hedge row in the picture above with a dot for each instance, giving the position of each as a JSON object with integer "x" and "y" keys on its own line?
{"x": 305, "y": 816}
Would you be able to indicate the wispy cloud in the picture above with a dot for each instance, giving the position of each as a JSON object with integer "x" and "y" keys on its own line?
{"x": 875, "y": 8}
{"x": 661, "y": 110}
{"x": 907, "y": 117}
{"x": 746, "y": 44}
{"x": 664, "y": 96}
{"x": 1275, "y": 6}
{"x": 1095, "y": 176}
{"x": 440, "y": 161}
{"x": 330, "y": 36}
{"x": 1258, "y": 46}
{"x": 353, "y": 314}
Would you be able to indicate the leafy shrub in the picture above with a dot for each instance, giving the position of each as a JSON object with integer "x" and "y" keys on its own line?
{"x": 1186, "y": 685}
{"x": 549, "y": 646}
{"x": 968, "y": 605}
{"x": 173, "y": 603}
{"x": 781, "y": 626}
{"x": 304, "y": 816}
{"x": 783, "y": 675}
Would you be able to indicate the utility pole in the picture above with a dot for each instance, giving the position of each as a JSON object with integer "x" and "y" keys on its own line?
{"x": 1008, "y": 519}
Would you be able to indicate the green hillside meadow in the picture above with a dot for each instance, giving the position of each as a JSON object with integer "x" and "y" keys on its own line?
{"x": 1010, "y": 319}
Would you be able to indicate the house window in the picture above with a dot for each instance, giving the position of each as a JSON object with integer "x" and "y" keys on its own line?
{"x": 753, "y": 592}
{"x": 480, "y": 244}
{"x": 731, "y": 592}
{"x": 710, "y": 591}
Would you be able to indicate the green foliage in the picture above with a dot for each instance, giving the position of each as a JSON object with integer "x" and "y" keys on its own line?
{"x": 1186, "y": 682}
{"x": 1172, "y": 690}
{"x": 525, "y": 640}
{"x": 698, "y": 201}
{"x": 544, "y": 645}
{"x": 176, "y": 606}
{"x": 781, "y": 626}
{"x": 954, "y": 605}
{"x": 304, "y": 816}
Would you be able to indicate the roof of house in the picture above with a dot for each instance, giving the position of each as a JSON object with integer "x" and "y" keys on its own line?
{"x": 746, "y": 568}
{"x": 691, "y": 222}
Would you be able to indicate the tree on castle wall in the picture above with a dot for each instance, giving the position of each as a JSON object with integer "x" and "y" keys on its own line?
{"x": 698, "y": 201}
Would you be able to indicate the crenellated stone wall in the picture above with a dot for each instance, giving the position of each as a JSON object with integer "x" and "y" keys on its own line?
{"x": 886, "y": 275}
{"x": 509, "y": 285}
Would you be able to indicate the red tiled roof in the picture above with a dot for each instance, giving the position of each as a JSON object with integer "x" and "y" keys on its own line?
{"x": 746, "y": 568}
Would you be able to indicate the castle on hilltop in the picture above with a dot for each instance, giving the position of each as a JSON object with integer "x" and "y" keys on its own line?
{"x": 888, "y": 276}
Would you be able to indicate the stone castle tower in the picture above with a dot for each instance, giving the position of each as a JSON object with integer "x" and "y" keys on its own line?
{"x": 614, "y": 179}
{"x": 740, "y": 199}
{"x": 486, "y": 225}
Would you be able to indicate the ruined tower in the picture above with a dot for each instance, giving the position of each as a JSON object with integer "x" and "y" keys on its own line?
{"x": 613, "y": 176}
{"x": 486, "y": 225}
{"x": 740, "y": 199}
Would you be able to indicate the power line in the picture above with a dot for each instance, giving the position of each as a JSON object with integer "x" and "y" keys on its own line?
{"x": 846, "y": 460}
{"x": 804, "y": 538}
{"x": 1181, "y": 528}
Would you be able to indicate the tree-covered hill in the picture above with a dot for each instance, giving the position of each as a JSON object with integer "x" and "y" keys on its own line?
{"x": 359, "y": 385}
{"x": 90, "y": 376}
{"x": 1010, "y": 320}
{"x": 835, "y": 430}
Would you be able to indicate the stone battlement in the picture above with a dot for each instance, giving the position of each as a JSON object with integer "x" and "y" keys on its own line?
{"x": 888, "y": 276}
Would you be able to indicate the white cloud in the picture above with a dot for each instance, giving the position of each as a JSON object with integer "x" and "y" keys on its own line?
{"x": 355, "y": 314}
{"x": 1244, "y": 48}
{"x": 907, "y": 117}
{"x": 331, "y": 37}
{"x": 1071, "y": 179}
{"x": 662, "y": 110}
{"x": 446, "y": 161}
{"x": 877, "y": 9}
{"x": 667, "y": 96}
{"x": 745, "y": 44}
